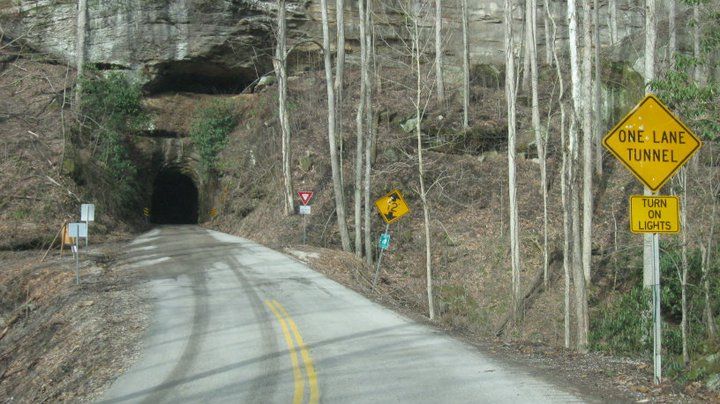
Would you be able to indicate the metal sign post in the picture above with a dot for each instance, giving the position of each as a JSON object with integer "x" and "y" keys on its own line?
{"x": 383, "y": 247}
{"x": 653, "y": 144}
{"x": 76, "y": 231}
{"x": 76, "y": 250}
{"x": 305, "y": 210}
{"x": 657, "y": 320}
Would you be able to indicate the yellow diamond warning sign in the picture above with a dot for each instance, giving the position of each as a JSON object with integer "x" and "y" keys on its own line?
{"x": 652, "y": 143}
{"x": 392, "y": 206}
{"x": 654, "y": 214}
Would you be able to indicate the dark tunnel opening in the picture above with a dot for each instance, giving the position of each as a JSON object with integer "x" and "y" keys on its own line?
{"x": 174, "y": 199}
{"x": 198, "y": 77}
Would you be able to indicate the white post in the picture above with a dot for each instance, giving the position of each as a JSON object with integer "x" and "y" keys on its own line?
{"x": 657, "y": 319}
{"x": 77, "y": 258}
{"x": 304, "y": 229}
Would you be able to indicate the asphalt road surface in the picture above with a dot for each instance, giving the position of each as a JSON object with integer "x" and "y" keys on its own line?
{"x": 237, "y": 322}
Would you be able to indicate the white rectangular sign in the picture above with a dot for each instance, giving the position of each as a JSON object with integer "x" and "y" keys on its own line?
{"x": 87, "y": 212}
{"x": 77, "y": 230}
{"x": 304, "y": 209}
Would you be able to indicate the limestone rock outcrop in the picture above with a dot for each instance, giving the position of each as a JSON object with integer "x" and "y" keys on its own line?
{"x": 223, "y": 45}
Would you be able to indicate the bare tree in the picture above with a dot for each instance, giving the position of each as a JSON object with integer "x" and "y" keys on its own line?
{"x": 587, "y": 129}
{"x": 334, "y": 158}
{"x": 697, "y": 75}
{"x": 80, "y": 48}
{"x": 573, "y": 184}
{"x": 548, "y": 40}
{"x": 370, "y": 125}
{"x": 280, "y": 64}
{"x": 597, "y": 114}
{"x": 510, "y": 94}
{"x": 612, "y": 21}
{"x": 531, "y": 14}
{"x": 466, "y": 66}
{"x": 682, "y": 179}
{"x": 417, "y": 45}
{"x": 339, "y": 79}
{"x": 565, "y": 169}
{"x": 359, "y": 120}
{"x": 672, "y": 32}
{"x": 649, "y": 72}
{"x": 439, "y": 52}
{"x": 416, "y": 10}
{"x": 525, "y": 83}
{"x": 706, "y": 249}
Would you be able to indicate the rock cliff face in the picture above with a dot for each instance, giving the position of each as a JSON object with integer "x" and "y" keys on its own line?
{"x": 219, "y": 43}
{"x": 226, "y": 44}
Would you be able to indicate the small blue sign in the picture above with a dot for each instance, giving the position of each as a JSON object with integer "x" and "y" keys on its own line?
{"x": 384, "y": 241}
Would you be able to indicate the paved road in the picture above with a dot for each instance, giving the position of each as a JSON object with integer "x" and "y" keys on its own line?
{"x": 237, "y": 322}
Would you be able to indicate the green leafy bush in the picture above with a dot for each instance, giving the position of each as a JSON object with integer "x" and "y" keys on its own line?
{"x": 111, "y": 112}
{"x": 625, "y": 325}
{"x": 209, "y": 130}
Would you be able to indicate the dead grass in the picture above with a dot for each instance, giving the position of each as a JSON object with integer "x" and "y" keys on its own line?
{"x": 62, "y": 342}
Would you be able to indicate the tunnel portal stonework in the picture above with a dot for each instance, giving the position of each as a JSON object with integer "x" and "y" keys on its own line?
{"x": 172, "y": 170}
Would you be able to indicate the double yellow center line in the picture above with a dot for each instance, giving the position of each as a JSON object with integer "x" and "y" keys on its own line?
{"x": 290, "y": 330}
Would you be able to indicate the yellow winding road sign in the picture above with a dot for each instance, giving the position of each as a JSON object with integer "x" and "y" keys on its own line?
{"x": 652, "y": 143}
{"x": 392, "y": 206}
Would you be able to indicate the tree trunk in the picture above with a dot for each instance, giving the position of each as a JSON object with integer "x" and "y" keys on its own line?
{"x": 512, "y": 183}
{"x": 612, "y": 23}
{"x": 370, "y": 125}
{"x": 80, "y": 49}
{"x": 339, "y": 79}
{"x": 588, "y": 140}
{"x": 563, "y": 183}
{"x": 421, "y": 174}
{"x": 696, "y": 44}
{"x": 439, "y": 53}
{"x": 706, "y": 249}
{"x": 650, "y": 37}
{"x": 672, "y": 33}
{"x": 281, "y": 72}
{"x": 525, "y": 83}
{"x": 466, "y": 66}
{"x": 359, "y": 119}
{"x": 649, "y": 73}
{"x": 682, "y": 177}
{"x": 599, "y": 125}
{"x": 573, "y": 184}
{"x": 334, "y": 161}
{"x": 581, "y": 313}
{"x": 375, "y": 78}
{"x": 539, "y": 138}
{"x": 548, "y": 40}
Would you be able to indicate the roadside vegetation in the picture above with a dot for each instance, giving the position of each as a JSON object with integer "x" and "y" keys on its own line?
{"x": 111, "y": 113}
{"x": 211, "y": 125}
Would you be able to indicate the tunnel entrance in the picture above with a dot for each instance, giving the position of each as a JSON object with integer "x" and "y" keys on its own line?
{"x": 199, "y": 77}
{"x": 174, "y": 199}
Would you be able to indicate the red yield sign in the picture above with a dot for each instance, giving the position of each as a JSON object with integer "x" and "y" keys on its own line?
{"x": 305, "y": 196}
